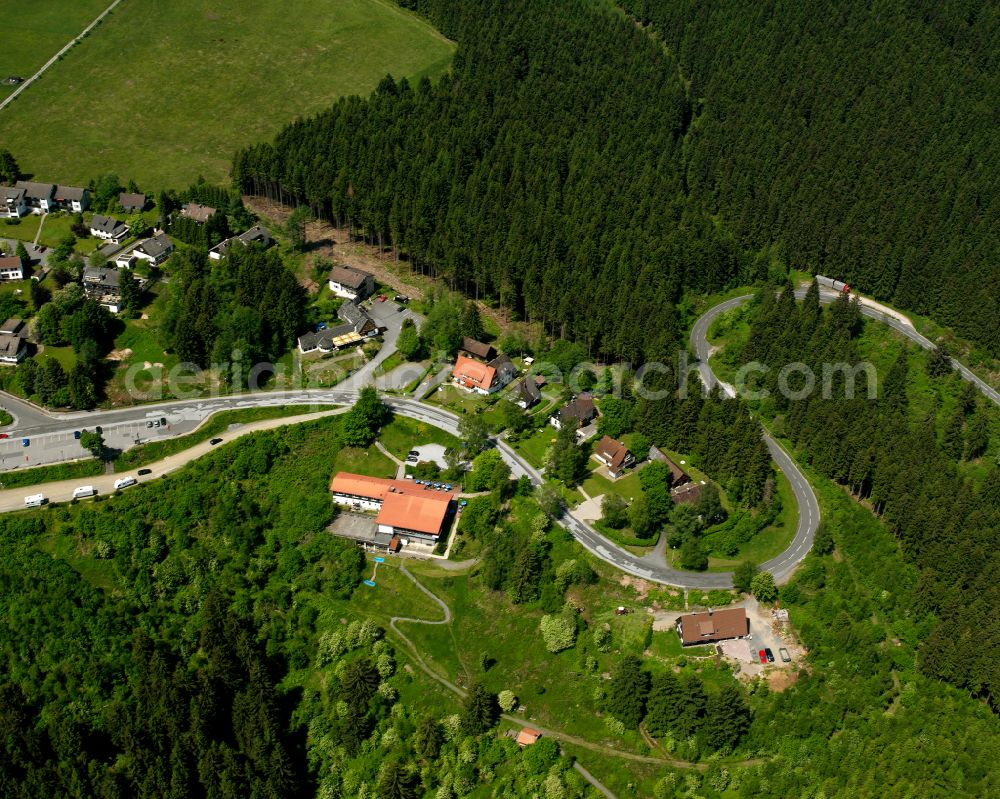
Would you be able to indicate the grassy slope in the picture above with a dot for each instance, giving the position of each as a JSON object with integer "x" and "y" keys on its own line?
{"x": 163, "y": 92}
{"x": 34, "y": 32}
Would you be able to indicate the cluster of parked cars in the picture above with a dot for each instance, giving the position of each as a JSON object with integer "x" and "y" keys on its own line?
{"x": 428, "y": 485}
{"x": 413, "y": 456}
{"x": 83, "y": 492}
{"x": 161, "y": 422}
{"x": 767, "y": 656}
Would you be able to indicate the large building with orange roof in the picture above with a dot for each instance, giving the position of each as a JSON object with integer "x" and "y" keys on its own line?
{"x": 403, "y": 508}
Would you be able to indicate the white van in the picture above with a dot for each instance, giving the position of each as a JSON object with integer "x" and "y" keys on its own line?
{"x": 84, "y": 491}
{"x": 35, "y": 501}
{"x": 125, "y": 482}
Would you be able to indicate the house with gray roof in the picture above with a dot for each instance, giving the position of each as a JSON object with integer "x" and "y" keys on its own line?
{"x": 72, "y": 198}
{"x": 132, "y": 203}
{"x": 13, "y": 202}
{"x": 39, "y": 197}
{"x": 156, "y": 250}
{"x": 351, "y": 283}
{"x": 108, "y": 228}
{"x": 255, "y": 235}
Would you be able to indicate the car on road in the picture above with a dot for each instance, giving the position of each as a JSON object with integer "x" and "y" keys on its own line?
{"x": 125, "y": 482}
{"x": 144, "y": 472}
{"x": 762, "y": 655}
{"x": 785, "y": 657}
{"x": 25, "y": 442}
{"x": 215, "y": 441}
{"x": 769, "y": 655}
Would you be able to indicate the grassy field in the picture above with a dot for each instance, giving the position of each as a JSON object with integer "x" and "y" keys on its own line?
{"x": 165, "y": 92}
{"x": 34, "y": 32}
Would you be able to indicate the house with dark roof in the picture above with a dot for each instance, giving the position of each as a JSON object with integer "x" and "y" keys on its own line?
{"x": 156, "y": 250}
{"x": 11, "y": 268}
{"x": 103, "y": 285}
{"x": 38, "y": 197}
{"x": 350, "y": 283}
{"x": 108, "y": 228}
{"x": 678, "y": 476}
{"x": 614, "y": 455}
{"x": 72, "y": 198}
{"x": 686, "y": 494}
{"x": 529, "y": 391}
{"x": 357, "y": 326}
{"x": 477, "y": 350}
{"x": 578, "y": 412}
{"x": 13, "y": 349}
{"x": 13, "y": 203}
{"x": 712, "y": 626}
{"x": 12, "y": 327}
{"x": 132, "y": 203}
{"x": 198, "y": 212}
{"x": 255, "y": 235}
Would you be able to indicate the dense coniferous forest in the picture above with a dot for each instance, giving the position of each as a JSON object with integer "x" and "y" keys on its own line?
{"x": 546, "y": 168}
{"x": 913, "y": 470}
{"x": 860, "y": 136}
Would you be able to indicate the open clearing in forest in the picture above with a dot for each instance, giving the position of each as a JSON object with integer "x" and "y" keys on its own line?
{"x": 165, "y": 92}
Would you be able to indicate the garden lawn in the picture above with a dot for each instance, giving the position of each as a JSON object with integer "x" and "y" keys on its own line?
{"x": 165, "y": 92}
{"x": 534, "y": 447}
{"x": 403, "y": 434}
{"x": 369, "y": 462}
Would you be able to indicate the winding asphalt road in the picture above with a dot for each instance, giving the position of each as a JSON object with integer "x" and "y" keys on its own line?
{"x": 184, "y": 415}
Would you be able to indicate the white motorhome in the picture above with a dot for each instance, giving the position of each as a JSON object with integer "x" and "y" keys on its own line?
{"x": 125, "y": 482}
{"x": 35, "y": 501}
{"x": 84, "y": 491}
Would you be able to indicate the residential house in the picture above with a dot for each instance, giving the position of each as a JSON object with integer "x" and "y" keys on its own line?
{"x": 255, "y": 235}
{"x": 72, "y": 198}
{"x": 155, "y": 250}
{"x": 13, "y": 202}
{"x": 356, "y": 327}
{"x": 678, "y": 476}
{"x": 108, "y": 228}
{"x": 198, "y": 212}
{"x": 39, "y": 197}
{"x": 353, "y": 284}
{"x": 402, "y": 507}
{"x": 579, "y": 412}
{"x": 483, "y": 378}
{"x": 103, "y": 285}
{"x": 529, "y": 391}
{"x": 614, "y": 455}
{"x": 11, "y": 268}
{"x": 13, "y": 349}
{"x": 687, "y": 494}
{"x": 712, "y": 626}
{"x": 477, "y": 350}
{"x": 132, "y": 203}
{"x": 12, "y": 327}
{"x": 527, "y": 736}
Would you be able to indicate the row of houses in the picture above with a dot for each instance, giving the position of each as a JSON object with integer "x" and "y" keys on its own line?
{"x": 356, "y": 326}
{"x": 26, "y": 197}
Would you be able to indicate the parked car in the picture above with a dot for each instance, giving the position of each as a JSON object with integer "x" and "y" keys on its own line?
{"x": 785, "y": 657}
{"x": 149, "y": 423}
{"x": 413, "y": 452}
{"x": 215, "y": 441}
{"x": 35, "y": 501}
{"x": 4, "y": 435}
{"x": 144, "y": 472}
{"x": 381, "y": 298}
{"x": 401, "y": 298}
{"x": 125, "y": 482}
{"x": 76, "y": 434}
{"x": 762, "y": 655}
{"x": 25, "y": 442}
{"x": 163, "y": 421}
{"x": 769, "y": 655}
{"x": 81, "y": 492}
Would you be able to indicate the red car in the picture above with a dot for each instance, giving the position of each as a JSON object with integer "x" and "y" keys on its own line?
{"x": 381, "y": 298}
{"x": 4, "y": 435}
{"x": 763, "y": 656}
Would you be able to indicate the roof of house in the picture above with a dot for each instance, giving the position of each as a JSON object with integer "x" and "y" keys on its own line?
{"x": 687, "y": 494}
{"x": 256, "y": 234}
{"x": 473, "y": 373}
{"x": 197, "y": 212}
{"x": 11, "y": 327}
{"x": 528, "y": 390}
{"x": 581, "y": 408}
{"x": 349, "y": 276}
{"x": 404, "y": 504}
{"x": 713, "y": 625}
{"x": 101, "y": 275}
{"x": 10, "y": 346}
{"x": 107, "y": 224}
{"x": 612, "y": 452}
{"x": 477, "y": 348}
{"x": 528, "y": 736}
{"x": 36, "y": 191}
{"x": 156, "y": 246}
{"x": 127, "y": 200}
{"x": 12, "y": 193}
{"x": 69, "y": 193}
{"x": 355, "y": 315}
{"x": 677, "y": 474}
{"x": 504, "y": 367}
{"x": 10, "y": 262}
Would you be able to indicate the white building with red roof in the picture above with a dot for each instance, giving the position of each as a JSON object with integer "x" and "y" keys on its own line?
{"x": 402, "y": 507}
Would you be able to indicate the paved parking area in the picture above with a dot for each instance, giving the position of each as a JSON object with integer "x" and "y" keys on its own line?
{"x": 431, "y": 453}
